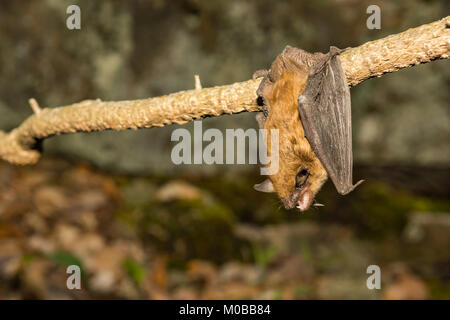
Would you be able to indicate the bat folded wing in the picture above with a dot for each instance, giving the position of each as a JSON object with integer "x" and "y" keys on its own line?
{"x": 325, "y": 112}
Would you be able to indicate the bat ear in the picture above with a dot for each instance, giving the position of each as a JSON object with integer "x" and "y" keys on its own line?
{"x": 265, "y": 186}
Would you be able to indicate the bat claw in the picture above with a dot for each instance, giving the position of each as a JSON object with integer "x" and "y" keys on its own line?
{"x": 302, "y": 99}
{"x": 260, "y": 74}
{"x": 349, "y": 189}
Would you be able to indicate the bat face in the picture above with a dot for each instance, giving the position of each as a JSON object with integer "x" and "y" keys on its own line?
{"x": 301, "y": 174}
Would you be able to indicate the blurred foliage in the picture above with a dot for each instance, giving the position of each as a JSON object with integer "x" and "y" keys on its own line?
{"x": 134, "y": 270}
{"x": 263, "y": 256}
{"x": 376, "y": 211}
{"x": 200, "y": 228}
{"x": 66, "y": 259}
{"x": 212, "y": 236}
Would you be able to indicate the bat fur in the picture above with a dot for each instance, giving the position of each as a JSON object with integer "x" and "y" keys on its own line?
{"x": 306, "y": 97}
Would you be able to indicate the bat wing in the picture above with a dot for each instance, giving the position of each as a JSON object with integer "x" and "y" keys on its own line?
{"x": 325, "y": 112}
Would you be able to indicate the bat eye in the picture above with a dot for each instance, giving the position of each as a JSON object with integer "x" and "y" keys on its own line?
{"x": 262, "y": 104}
{"x": 260, "y": 101}
{"x": 301, "y": 177}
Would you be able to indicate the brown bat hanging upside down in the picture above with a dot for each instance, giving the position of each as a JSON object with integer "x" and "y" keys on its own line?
{"x": 306, "y": 97}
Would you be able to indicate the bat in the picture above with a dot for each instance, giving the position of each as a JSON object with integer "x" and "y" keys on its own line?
{"x": 306, "y": 97}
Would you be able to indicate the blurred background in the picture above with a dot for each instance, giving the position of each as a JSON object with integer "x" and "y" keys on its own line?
{"x": 141, "y": 227}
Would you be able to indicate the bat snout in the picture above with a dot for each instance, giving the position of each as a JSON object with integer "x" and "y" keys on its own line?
{"x": 304, "y": 202}
{"x": 300, "y": 199}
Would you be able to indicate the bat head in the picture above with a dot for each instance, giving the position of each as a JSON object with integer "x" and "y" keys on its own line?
{"x": 301, "y": 174}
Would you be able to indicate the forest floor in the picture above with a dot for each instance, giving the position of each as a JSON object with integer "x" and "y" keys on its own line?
{"x": 214, "y": 237}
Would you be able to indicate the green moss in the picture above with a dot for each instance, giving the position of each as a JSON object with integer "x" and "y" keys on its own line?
{"x": 376, "y": 209}
{"x": 66, "y": 259}
{"x": 263, "y": 256}
{"x": 201, "y": 229}
{"x": 134, "y": 270}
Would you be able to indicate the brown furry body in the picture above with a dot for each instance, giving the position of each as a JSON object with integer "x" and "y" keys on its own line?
{"x": 295, "y": 151}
